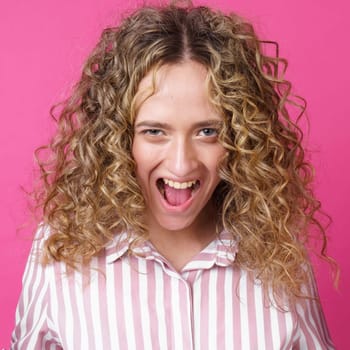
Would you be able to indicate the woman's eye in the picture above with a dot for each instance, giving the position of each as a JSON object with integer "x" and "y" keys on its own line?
{"x": 152, "y": 132}
{"x": 208, "y": 132}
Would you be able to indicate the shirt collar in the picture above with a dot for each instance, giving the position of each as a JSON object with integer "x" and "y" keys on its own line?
{"x": 221, "y": 251}
{"x": 118, "y": 247}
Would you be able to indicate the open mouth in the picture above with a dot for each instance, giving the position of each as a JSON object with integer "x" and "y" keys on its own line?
{"x": 177, "y": 193}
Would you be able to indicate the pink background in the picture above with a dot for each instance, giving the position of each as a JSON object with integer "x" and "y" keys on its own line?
{"x": 43, "y": 44}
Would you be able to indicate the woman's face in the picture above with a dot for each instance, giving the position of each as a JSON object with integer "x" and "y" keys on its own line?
{"x": 176, "y": 147}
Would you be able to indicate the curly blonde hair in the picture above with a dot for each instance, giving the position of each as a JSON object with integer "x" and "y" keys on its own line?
{"x": 89, "y": 191}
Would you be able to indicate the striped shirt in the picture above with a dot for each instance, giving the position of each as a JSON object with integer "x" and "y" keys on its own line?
{"x": 127, "y": 301}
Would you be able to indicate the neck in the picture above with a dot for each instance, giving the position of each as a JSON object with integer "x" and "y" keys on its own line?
{"x": 180, "y": 246}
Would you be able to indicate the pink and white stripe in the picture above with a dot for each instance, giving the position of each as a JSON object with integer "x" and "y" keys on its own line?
{"x": 125, "y": 302}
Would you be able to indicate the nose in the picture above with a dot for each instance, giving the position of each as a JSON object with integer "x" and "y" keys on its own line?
{"x": 182, "y": 157}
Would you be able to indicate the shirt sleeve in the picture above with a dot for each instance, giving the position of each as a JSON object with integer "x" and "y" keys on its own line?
{"x": 313, "y": 333}
{"x": 32, "y": 327}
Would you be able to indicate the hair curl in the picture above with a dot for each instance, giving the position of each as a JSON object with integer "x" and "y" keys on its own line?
{"x": 89, "y": 191}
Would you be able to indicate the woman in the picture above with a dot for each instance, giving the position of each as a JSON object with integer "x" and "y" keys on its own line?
{"x": 177, "y": 200}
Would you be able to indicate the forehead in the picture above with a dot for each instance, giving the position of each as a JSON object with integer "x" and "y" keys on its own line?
{"x": 184, "y": 73}
{"x": 180, "y": 88}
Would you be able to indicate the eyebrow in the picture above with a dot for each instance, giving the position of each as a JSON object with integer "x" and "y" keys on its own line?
{"x": 159, "y": 125}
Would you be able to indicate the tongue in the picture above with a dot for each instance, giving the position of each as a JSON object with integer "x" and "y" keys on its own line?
{"x": 175, "y": 196}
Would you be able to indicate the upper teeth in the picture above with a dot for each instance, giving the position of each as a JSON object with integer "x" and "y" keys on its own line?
{"x": 179, "y": 185}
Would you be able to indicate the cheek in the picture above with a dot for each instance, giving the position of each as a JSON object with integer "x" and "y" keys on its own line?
{"x": 138, "y": 155}
{"x": 135, "y": 149}
{"x": 144, "y": 163}
{"x": 216, "y": 158}
{"x": 138, "y": 159}
{"x": 141, "y": 178}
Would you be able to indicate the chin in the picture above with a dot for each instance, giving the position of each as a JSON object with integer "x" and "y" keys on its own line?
{"x": 174, "y": 224}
